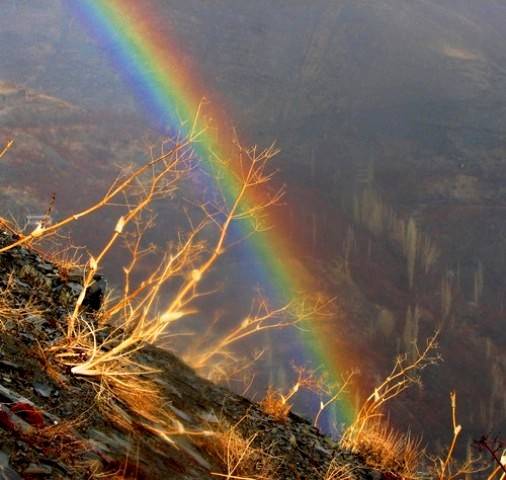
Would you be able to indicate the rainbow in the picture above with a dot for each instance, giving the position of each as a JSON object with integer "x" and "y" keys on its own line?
{"x": 150, "y": 62}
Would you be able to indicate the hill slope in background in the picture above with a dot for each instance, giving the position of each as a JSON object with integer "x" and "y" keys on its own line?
{"x": 57, "y": 143}
{"x": 284, "y": 62}
{"x": 389, "y": 106}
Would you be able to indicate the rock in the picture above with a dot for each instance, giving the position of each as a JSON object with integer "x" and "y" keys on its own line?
{"x": 96, "y": 293}
{"x": 46, "y": 267}
{"x": 75, "y": 275}
{"x": 6, "y": 472}
{"x": 42, "y": 389}
{"x": 75, "y": 288}
{"x": 8, "y": 364}
{"x": 34, "y": 277}
{"x": 38, "y": 469}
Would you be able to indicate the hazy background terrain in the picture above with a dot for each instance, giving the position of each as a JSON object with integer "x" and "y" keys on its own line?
{"x": 386, "y": 111}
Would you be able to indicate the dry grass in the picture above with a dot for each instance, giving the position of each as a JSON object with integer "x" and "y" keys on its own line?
{"x": 337, "y": 471}
{"x": 389, "y": 451}
{"x": 404, "y": 374}
{"x": 239, "y": 459}
{"x": 60, "y": 441}
{"x": 67, "y": 258}
{"x": 371, "y": 436}
{"x": 13, "y": 312}
{"x": 125, "y": 401}
{"x": 278, "y": 404}
{"x": 275, "y": 404}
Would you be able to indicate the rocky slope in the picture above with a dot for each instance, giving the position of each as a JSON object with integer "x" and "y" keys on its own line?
{"x": 52, "y": 423}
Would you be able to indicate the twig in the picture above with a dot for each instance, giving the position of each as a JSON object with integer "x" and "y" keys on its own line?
{"x": 484, "y": 444}
{"x": 457, "y": 429}
{"x": 7, "y": 147}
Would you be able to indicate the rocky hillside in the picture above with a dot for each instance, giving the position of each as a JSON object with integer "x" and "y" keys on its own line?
{"x": 56, "y": 425}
